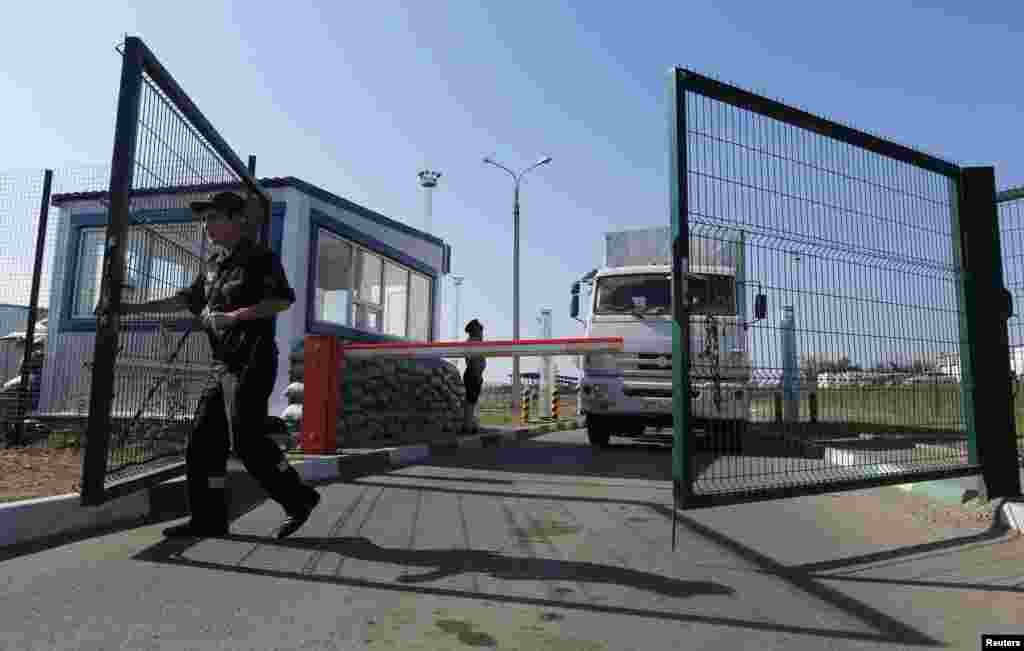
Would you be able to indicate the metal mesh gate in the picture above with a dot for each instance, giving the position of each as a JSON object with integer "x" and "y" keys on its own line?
{"x": 852, "y": 379}
{"x": 1010, "y": 205}
{"x": 147, "y": 372}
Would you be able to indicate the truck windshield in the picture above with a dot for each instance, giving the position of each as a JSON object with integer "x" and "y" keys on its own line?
{"x": 712, "y": 294}
{"x": 616, "y": 294}
{"x": 652, "y": 294}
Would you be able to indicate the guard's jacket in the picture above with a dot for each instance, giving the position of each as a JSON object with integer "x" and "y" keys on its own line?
{"x": 246, "y": 275}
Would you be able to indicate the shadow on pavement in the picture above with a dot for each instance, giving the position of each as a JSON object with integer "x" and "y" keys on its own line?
{"x": 455, "y": 561}
{"x": 629, "y": 459}
{"x": 624, "y": 459}
{"x": 444, "y": 563}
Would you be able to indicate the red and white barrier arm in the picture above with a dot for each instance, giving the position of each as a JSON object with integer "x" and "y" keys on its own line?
{"x": 496, "y": 348}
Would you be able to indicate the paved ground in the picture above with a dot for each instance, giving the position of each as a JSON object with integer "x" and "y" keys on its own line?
{"x": 547, "y": 545}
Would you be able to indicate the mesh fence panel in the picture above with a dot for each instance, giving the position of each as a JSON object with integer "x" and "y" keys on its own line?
{"x": 1011, "y": 235}
{"x": 21, "y": 197}
{"x": 854, "y": 371}
{"x": 160, "y": 370}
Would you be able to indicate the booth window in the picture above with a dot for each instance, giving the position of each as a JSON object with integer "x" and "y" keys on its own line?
{"x": 419, "y": 307}
{"x": 358, "y": 288}
{"x": 396, "y": 299}
{"x": 333, "y": 297}
{"x": 157, "y": 264}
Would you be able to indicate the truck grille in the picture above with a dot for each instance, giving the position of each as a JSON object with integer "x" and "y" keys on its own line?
{"x": 653, "y": 362}
{"x": 648, "y": 366}
{"x": 646, "y": 392}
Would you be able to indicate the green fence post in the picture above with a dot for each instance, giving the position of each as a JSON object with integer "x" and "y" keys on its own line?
{"x": 105, "y": 348}
{"x": 984, "y": 348}
{"x": 682, "y": 452}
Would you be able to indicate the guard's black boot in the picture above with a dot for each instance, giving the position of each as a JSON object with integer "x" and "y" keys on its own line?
{"x": 192, "y": 529}
{"x": 208, "y": 501}
{"x": 295, "y": 519}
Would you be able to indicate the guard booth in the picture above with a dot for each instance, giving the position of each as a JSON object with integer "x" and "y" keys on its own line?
{"x": 357, "y": 274}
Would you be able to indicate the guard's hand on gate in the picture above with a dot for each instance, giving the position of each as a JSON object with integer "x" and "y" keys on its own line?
{"x": 218, "y": 320}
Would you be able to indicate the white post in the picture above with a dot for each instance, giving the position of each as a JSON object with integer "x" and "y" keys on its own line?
{"x": 547, "y": 380}
{"x": 457, "y": 326}
{"x": 790, "y": 379}
{"x": 791, "y": 382}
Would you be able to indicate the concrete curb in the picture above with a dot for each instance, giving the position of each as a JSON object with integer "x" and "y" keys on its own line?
{"x": 1009, "y": 514}
{"x": 34, "y": 520}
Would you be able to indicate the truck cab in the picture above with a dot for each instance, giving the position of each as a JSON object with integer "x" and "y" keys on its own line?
{"x": 623, "y": 394}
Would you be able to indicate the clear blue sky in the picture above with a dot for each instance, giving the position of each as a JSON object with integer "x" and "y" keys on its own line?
{"x": 357, "y": 100}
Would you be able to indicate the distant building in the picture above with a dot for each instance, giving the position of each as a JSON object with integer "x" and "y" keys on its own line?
{"x": 949, "y": 363}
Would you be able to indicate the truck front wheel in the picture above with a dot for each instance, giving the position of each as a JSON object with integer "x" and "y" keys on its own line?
{"x": 598, "y": 432}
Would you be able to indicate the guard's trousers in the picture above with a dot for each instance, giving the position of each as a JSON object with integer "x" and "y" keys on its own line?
{"x": 244, "y": 395}
{"x": 473, "y": 382}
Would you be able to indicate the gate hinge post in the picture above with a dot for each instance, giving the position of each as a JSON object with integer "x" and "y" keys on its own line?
{"x": 984, "y": 309}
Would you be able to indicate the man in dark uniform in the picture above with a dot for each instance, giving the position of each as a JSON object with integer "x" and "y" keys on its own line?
{"x": 237, "y": 300}
{"x": 473, "y": 378}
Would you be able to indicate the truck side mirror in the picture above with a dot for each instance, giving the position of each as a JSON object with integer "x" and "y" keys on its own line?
{"x": 574, "y": 304}
{"x": 760, "y": 307}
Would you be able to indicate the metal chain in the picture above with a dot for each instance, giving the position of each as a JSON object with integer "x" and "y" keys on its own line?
{"x": 712, "y": 349}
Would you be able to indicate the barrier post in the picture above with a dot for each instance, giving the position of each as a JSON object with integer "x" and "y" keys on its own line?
{"x": 554, "y": 402}
{"x": 524, "y": 415}
{"x": 322, "y": 362}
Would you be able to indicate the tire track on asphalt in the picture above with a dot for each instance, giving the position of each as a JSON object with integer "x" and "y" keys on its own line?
{"x": 584, "y": 590}
{"x": 337, "y": 528}
{"x": 465, "y": 539}
{"x": 523, "y": 543}
{"x": 415, "y": 520}
{"x": 314, "y": 559}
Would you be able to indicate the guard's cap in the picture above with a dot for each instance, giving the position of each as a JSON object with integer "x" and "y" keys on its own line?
{"x": 474, "y": 326}
{"x": 231, "y": 204}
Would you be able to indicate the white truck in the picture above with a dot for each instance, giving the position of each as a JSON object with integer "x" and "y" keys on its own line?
{"x": 631, "y": 297}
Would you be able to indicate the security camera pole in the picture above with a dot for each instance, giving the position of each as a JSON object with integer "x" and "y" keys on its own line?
{"x": 428, "y": 180}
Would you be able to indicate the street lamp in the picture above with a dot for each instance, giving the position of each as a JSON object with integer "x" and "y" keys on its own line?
{"x": 516, "y": 384}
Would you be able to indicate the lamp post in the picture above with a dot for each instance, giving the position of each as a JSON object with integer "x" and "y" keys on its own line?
{"x": 516, "y": 381}
{"x": 457, "y": 282}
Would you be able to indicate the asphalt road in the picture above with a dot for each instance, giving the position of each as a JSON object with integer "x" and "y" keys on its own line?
{"x": 544, "y": 545}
